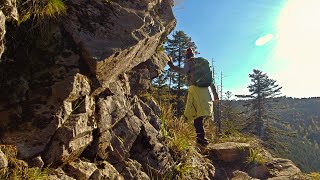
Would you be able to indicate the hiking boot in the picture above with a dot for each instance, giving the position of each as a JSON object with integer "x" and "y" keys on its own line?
{"x": 202, "y": 142}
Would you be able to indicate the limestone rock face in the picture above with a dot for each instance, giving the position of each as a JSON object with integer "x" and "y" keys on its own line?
{"x": 36, "y": 162}
{"x": 8, "y": 11}
{"x": 202, "y": 168}
{"x": 81, "y": 170}
{"x": 282, "y": 169}
{"x": 106, "y": 171}
{"x": 77, "y": 92}
{"x": 149, "y": 152}
{"x": 115, "y": 36}
{"x": 240, "y": 175}
{"x": 59, "y": 174}
{"x": 259, "y": 171}
{"x": 131, "y": 169}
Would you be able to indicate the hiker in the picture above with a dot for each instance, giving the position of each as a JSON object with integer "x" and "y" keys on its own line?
{"x": 200, "y": 97}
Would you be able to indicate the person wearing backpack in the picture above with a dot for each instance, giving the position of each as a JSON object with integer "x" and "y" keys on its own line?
{"x": 201, "y": 92}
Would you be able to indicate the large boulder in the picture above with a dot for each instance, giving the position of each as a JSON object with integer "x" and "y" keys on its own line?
{"x": 81, "y": 170}
{"x": 115, "y": 36}
{"x": 282, "y": 169}
{"x": 68, "y": 99}
{"x": 131, "y": 169}
{"x": 106, "y": 171}
{"x": 240, "y": 175}
{"x": 228, "y": 152}
{"x": 150, "y": 152}
{"x": 259, "y": 171}
{"x": 201, "y": 168}
{"x": 70, "y": 140}
{"x": 57, "y": 174}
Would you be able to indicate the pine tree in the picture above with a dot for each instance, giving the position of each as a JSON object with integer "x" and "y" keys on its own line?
{"x": 262, "y": 91}
{"x": 176, "y": 48}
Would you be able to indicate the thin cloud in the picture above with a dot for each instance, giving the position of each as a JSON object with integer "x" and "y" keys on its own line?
{"x": 264, "y": 39}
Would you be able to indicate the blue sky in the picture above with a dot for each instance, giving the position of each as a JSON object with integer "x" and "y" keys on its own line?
{"x": 228, "y": 31}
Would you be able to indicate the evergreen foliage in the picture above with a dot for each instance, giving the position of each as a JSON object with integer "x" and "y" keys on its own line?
{"x": 262, "y": 90}
{"x": 303, "y": 117}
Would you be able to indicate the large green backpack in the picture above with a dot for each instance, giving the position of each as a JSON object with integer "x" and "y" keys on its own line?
{"x": 200, "y": 74}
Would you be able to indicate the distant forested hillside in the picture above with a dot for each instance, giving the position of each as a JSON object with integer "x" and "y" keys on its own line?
{"x": 303, "y": 117}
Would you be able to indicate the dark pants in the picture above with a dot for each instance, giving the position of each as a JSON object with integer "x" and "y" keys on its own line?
{"x": 198, "y": 124}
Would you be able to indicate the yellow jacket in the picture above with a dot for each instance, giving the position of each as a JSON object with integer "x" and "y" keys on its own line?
{"x": 199, "y": 102}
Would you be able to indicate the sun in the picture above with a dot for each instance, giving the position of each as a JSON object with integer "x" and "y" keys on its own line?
{"x": 298, "y": 47}
{"x": 299, "y": 30}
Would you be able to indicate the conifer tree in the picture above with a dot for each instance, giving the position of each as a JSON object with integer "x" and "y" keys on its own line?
{"x": 176, "y": 47}
{"x": 262, "y": 90}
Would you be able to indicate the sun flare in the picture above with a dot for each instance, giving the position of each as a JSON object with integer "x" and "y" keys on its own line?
{"x": 299, "y": 30}
{"x": 264, "y": 40}
{"x": 298, "y": 45}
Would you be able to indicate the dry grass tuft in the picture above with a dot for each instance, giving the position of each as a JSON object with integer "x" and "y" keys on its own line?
{"x": 18, "y": 169}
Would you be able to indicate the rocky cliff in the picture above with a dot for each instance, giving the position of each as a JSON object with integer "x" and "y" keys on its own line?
{"x": 73, "y": 92}
{"x": 71, "y": 88}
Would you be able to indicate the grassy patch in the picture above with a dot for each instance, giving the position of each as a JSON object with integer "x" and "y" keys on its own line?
{"x": 180, "y": 134}
{"x": 255, "y": 157}
{"x": 180, "y": 137}
{"x": 18, "y": 169}
{"x": 40, "y": 9}
{"x": 183, "y": 169}
{"x": 314, "y": 175}
{"x": 235, "y": 136}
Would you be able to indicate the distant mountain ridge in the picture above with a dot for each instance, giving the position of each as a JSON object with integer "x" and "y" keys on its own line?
{"x": 303, "y": 117}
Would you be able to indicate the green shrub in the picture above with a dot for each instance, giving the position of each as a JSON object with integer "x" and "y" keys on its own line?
{"x": 180, "y": 138}
{"x": 255, "y": 157}
{"x": 18, "y": 169}
{"x": 40, "y": 9}
{"x": 182, "y": 169}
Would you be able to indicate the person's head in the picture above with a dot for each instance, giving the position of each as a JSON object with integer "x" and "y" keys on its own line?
{"x": 189, "y": 53}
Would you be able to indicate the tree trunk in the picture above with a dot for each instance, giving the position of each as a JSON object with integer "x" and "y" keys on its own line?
{"x": 259, "y": 116}
{"x": 179, "y": 86}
